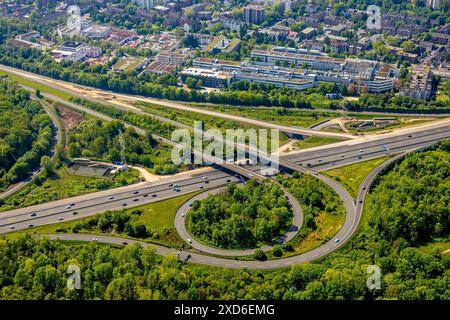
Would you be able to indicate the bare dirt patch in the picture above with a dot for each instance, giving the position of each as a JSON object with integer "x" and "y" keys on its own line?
{"x": 70, "y": 118}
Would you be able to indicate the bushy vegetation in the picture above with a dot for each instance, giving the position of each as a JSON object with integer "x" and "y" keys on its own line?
{"x": 97, "y": 139}
{"x": 26, "y": 133}
{"x": 412, "y": 202}
{"x": 241, "y": 216}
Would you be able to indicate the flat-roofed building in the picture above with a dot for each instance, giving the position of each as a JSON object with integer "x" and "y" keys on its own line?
{"x": 208, "y": 63}
{"x": 96, "y": 31}
{"x": 209, "y": 78}
{"x": 159, "y": 68}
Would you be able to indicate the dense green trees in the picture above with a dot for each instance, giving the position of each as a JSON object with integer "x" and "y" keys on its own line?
{"x": 412, "y": 202}
{"x": 117, "y": 222}
{"x": 241, "y": 216}
{"x": 26, "y": 133}
{"x": 98, "y": 139}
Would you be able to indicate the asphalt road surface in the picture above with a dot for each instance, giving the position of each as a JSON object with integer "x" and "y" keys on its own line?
{"x": 347, "y": 153}
{"x": 114, "y": 199}
{"x": 350, "y": 226}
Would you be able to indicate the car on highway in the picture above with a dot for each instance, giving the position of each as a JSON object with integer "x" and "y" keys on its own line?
{"x": 228, "y": 180}
{"x": 60, "y": 219}
{"x": 337, "y": 240}
{"x": 154, "y": 195}
{"x": 361, "y": 150}
{"x": 204, "y": 177}
{"x": 74, "y": 213}
{"x": 136, "y": 192}
{"x": 206, "y": 182}
{"x": 68, "y": 206}
{"x": 125, "y": 243}
{"x": 12, "y": 228}
{"x": 201, "y": 187}
{"x": 190, "y": 204}
{"x": 33, "y": 214}
{"x": 110, "y": 198}
{"x": 145, "y": 195}
{"x": 94, "y": 239}
{"x": 30, "y": 225}
{"x": 183, "y": 215}
{"x": 176, "y": 189}
{"x": 135, "y": 200}
{"x": 124, "y": 204}
{"x": 171, "y": 185}
{"x": 189, "y": 240}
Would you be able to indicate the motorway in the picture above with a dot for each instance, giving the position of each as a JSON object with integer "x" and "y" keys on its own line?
{"x": 74, "y": 90}
{"x": 319, "y": 158}
{"x": 335, "y": 155}
{"x": 350, "y": 226}
{"x": 342, "y": 154}
{"x": 114, "y": 199}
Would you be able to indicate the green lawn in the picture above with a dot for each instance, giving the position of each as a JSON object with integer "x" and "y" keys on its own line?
{"x": 315, "y": 141}
{"x": 283, "y": 116}
{"x": 63, "y": 185}
{"x": 433, "y": 247}
{"x": 209, "y": 122}
{"x": 35, "y": 85}
{"x": 158, "y": 216}
{"x": 353, "y": 175}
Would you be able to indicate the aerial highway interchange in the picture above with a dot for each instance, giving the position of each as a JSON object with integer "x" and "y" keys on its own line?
{"x": 311, "y": 161}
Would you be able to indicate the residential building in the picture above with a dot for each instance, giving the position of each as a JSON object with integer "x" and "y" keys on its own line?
{"x": 253, "y": 14}
{"x": 175, "y": 58}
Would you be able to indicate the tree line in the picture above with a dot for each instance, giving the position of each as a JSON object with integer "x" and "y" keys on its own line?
{"x": 26, "y": 133}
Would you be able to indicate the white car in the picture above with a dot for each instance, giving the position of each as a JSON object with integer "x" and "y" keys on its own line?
{"x": 110, "y": 198}
{"x": 205, "y": 177}
{"x": 94, "y": 239}
{"x": 337, "y": 240}
{"x": 183, "y": 215}
{"x": 189, "y": 240}
{"x": 68, "y": 206}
